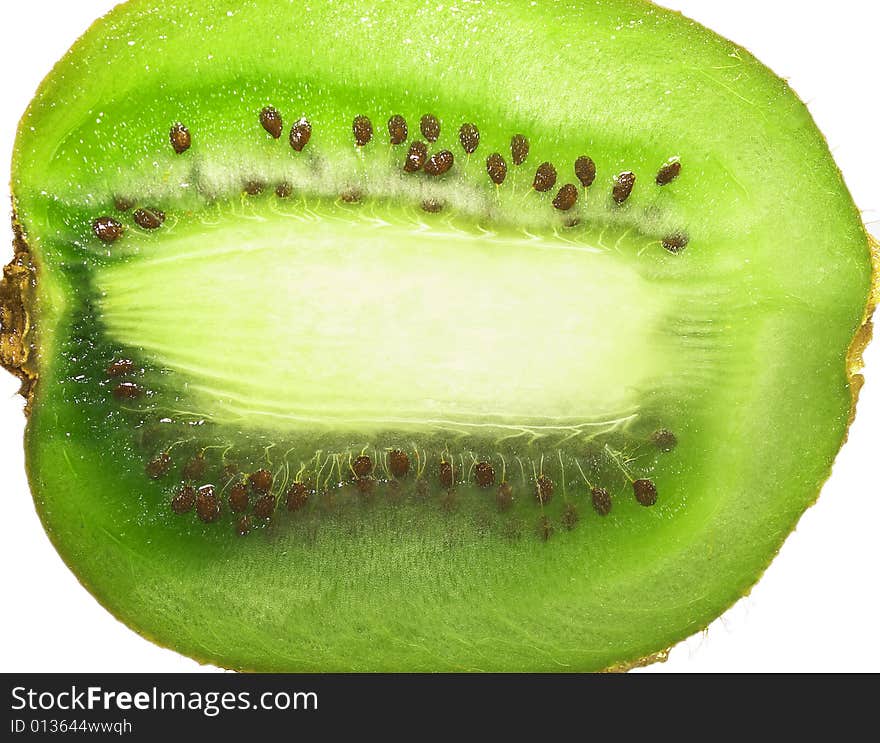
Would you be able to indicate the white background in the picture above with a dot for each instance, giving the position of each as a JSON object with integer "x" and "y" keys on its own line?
{"x": 817, "y": 607}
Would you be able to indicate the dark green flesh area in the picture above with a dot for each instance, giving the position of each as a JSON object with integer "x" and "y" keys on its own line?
{"x": 297, "y": 333}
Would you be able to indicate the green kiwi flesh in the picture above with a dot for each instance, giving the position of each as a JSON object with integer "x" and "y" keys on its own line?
{"x": 307, "y": 396}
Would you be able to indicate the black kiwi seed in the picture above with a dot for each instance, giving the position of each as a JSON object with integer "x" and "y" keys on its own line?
{"x": 107, "y": 229}
{"x": 181, "y": 140}
{"x": 645, "y": 492}
{"x": 351, "y": 195}
{"x": 504, "y": 496}
{"x": 545, "y": 177}
{"x": 159, "y": 466}
{"x": 432, "y": 206}
{"x": 484, "y": 474}
{"x": 545, "y": 528}
{"x": 449, "y": 501}
{"x": 668, "y": 173}
{"x": 362, "y": 128}
{"x": 397, "y": 129}
{"x": 676, "y": 242}
{"x": 149, "y": 219}
{"x": 242, "y": 525}
{"x": 496, "y": 168}
{"x": 122, "y": 204}
{"x": 398, "y": 463}
{"x": 265, "y": 506}
{"x": 570, "y": 516}
{"x": 254, "y": 187}
{"x": 430, "y": 127}
{"x": 362, "y": 466}
{"x": 585, "y": 170}
{"x": 283, "y": 190}
{"x": 261, "y": 481}
{"x": 566, "y": 198}
{"x": 207, "y": 504}
{"x": 238, "y": 498}
{"x": 271, "y": 121}
{"x": 519, "y": 149}
{"x": 623, "y": 186}
{"x": 601, "y": 501}
{"x": 297, "y": 496}
{"x": 469, "y": 136}
{"x": 664, "y": 439}
{"x": 446, "y": 474}
{"x": 395, "y": 491}
{"x": 416, "y": 157}
{"x": 127, "y": 391}
{"x": 543, "y": 489}
{"x": 300, "y": 134}
{"x": 184, "y": 500}
{"x": 120, "y": 368}
{"x": 439, "y": 163}
{"x": 195, "y": 468}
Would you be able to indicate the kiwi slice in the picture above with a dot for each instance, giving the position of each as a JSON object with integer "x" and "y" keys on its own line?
{"x": 388, "y": 338}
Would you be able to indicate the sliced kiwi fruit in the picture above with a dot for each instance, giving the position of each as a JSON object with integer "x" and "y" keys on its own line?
{"x": 395, "y": 338}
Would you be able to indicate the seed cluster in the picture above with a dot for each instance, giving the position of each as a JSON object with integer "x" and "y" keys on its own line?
{"x": 256, "y": 497}
{"x": 108, "y": 229}
{"x": 418, "y": 158}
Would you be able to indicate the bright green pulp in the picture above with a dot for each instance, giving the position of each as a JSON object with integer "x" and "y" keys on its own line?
{"x": 738, "y": 344}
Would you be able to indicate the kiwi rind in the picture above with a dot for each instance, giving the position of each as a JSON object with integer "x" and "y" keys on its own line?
{"x": 25, "y": 309}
